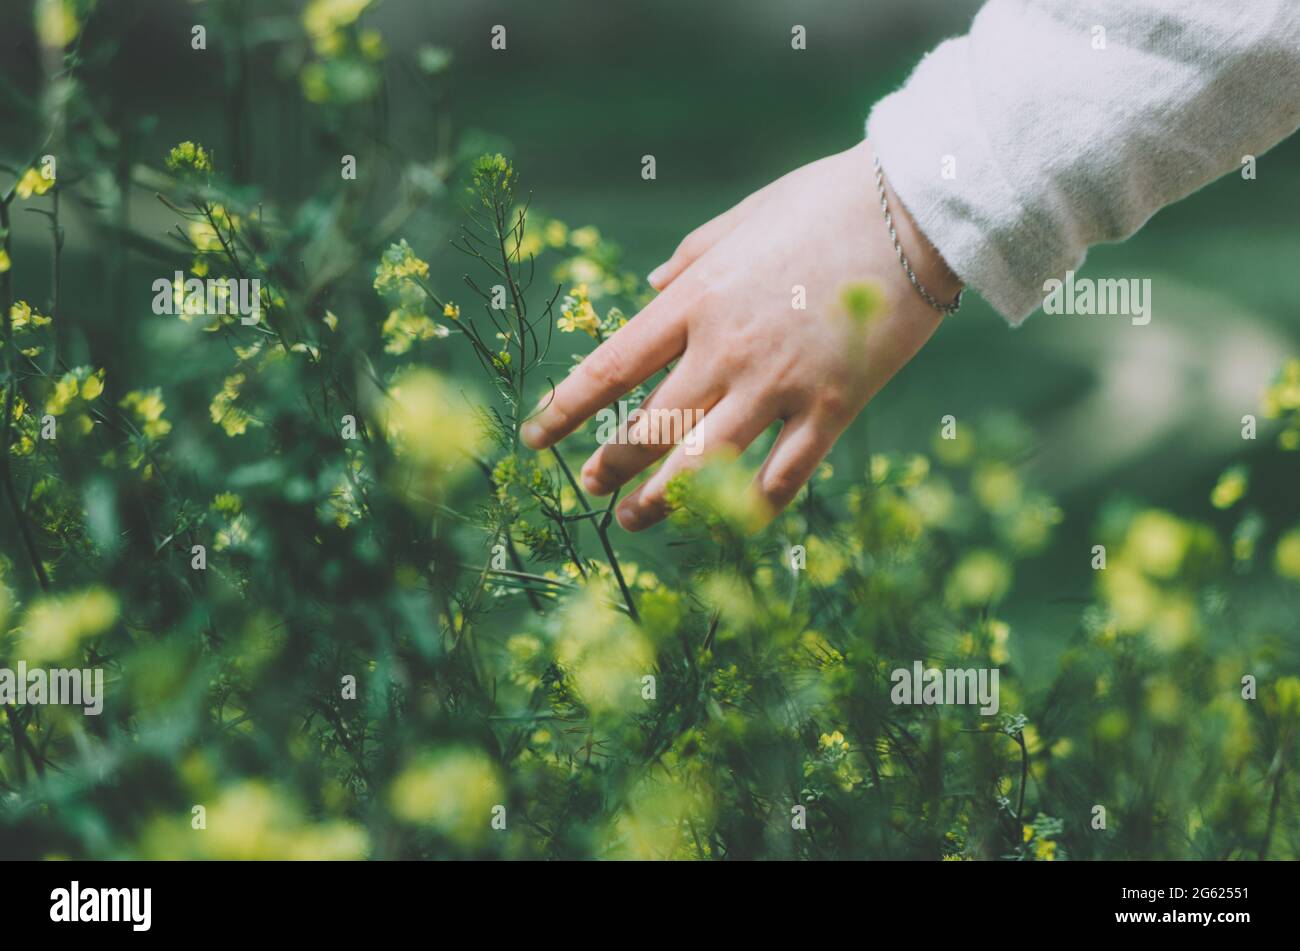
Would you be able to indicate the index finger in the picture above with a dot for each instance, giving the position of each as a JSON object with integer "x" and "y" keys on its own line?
{"x": 644, "y": 345}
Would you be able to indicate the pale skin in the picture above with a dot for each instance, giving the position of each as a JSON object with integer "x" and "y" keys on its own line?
{"x": 744, "y": 355}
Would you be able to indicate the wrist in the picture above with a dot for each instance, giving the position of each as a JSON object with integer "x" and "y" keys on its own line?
{"x": 921, "y": 256}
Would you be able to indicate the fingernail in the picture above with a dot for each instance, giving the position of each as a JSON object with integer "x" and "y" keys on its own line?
{"x": 533, "y": 435}
{"x": 627, "y": 517}
{"x": 656, "y": 277}
{"x": 594, "y": 485}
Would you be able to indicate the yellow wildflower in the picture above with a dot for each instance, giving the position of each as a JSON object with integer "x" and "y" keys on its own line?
{"x": 23, "y": 316}
{"x": 56, "y": 22}
{"x": 54, "y": 627}
{"x": 324, "y": 18}
{"x": 1230, "y": 488}
{"x": 65, "y": 391}
{"x": 92, "y": 386}
{"x": 33, "y": 183}
{"x": 1286, "y": 560}
{"x": 556, "y": 233}
{"x": 188, "y": 157}
{"x": 576, "y": 312}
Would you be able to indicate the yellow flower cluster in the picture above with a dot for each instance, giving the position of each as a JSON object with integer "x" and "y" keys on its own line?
{"x": 79, "y": 383}
{"x": 433, "y": 430}
{"x": 205, "y": 237}
{"x": 188, "y": 157}
{"x": 400, "y": 276}
{"x": 56, "y": 22}
{"x": 1231, "y": 487}
{"x": 835, "y": 755}
{"x": 147, "y": 407}
{"x": 576, "y": 312}
{"x": 1150, "y": 579}
{"x": 32, "y": 183}
{"x": 452, "y": 790}
{"x": 399, "y": 268}
{"x": 253, "y": 821}
{"x": 1282, "y": 401}
{"x": 404, "y": 327}
{"x": 1286, "y": 559}
{"x": 23, "y": 318}
{"x": 223, "y": 411}
{"x": 1044, "y": 849}
{"x": 602, "y": 654}
{"x": 324, "y": 21}
{"x": 54, "y": 627}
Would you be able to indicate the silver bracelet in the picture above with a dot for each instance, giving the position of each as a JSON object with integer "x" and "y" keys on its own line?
{"x": 945, "y": 309}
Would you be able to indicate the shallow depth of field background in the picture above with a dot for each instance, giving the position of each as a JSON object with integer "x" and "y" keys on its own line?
{"x": 715, "y": 93}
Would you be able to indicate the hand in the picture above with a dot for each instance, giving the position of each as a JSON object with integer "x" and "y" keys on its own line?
{"x": 745, "y": 356}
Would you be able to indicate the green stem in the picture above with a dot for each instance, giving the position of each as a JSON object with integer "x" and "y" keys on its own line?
{"x": 11, "y": 384}
{"x": 602, "y": 531}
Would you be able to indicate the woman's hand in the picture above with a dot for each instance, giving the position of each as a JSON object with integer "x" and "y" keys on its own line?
{"x": 746, "y": 356}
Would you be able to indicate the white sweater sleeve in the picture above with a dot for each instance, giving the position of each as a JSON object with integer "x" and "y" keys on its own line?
{"x": 1056, "y": 125}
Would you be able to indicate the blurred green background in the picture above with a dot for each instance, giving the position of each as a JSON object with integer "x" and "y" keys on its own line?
{"x": 717, "y": 95}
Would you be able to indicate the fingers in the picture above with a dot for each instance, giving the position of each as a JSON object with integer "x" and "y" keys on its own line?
{"x": 665, "y": 419}
{"x": 800, "y": 448}
{"x": 803, "y": 443}
{"x": 734, "y": 423}
{"x": 695, "y": 244}
{"x": 645, "y": 345}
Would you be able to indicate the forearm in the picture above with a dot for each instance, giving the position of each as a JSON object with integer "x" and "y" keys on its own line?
{"x": 1018, "y": 146}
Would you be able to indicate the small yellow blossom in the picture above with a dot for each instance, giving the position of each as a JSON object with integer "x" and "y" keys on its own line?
{"x": 223, "y": 411}
{"x": 188, "y": 157}
{"x": 1000, "y": 632}
{"x": 371, "y": 44}
{"x": 556, "y": 233}
{"x": 148, "y": 407}
{"x": 92, "y": 386}
{"x": 404, "y": 327}
{"x": 32, "y": 183}
{"x": 831, "y": 740}
{"x": 55, "y": 626}
{"x": 56, "y": 22}
{"x": 22, "y": 316}
{"x": 398, "y": 268}
{"x": 65, "y": 391}
{"x": 577, "y": 313}
{"x": 584, "y": 238}
{"x": 1230, "y": 488}
{"x": 1286, "y": 560}
{"x": 323, "y": 19}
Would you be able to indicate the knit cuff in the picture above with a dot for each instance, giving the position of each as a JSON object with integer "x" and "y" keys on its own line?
{"x": 934, "y": 155}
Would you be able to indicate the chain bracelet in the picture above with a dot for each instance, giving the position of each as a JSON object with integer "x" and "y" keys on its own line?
{"x": 945, "y": 309}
